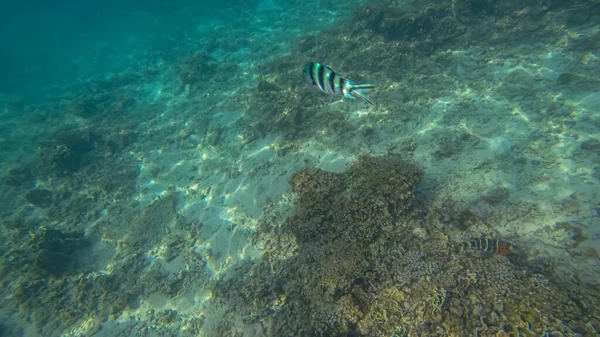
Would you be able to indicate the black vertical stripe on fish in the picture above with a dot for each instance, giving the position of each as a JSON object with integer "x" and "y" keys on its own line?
{"x": 343, "y": 85}
{"x": 321, "y": 72}
{"x": 483, "y": 244}
{"x": 311, "y": 73}
{"x": 332, "y": 77}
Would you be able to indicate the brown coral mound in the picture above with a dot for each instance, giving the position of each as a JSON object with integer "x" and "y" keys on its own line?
{"x": 355, "y": 206}
{"x": 365, "y": 268}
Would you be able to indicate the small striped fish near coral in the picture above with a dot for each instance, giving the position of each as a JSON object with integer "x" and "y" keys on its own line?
{"x": 330, "y": 82}
{"x": 500, "y": 247}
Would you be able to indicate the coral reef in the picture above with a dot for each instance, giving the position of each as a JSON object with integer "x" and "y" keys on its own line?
{"x": 77, "y": 172}
{"x": 400, "y": 43}
{"x": 52, "y": 275}
{"x": 48, "y": 252}
{"x": 196, "y": 68}
{"x": 66, "y": 152}
{"x": 277, "y": 110}
{"x": 18, "y": 177}
{"x": 70, "y": 150}
{"x": 200, "y": 71}
{"x": 370, "y": 264}
{"x": 49, "y": 268}
{"x": 100, "y": 102}
{"x": 359, "y": 256}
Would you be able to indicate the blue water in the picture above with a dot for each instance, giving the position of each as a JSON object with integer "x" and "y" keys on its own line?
{"x": 168, "y": 170}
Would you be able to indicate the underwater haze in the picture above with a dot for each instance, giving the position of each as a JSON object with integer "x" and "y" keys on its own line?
{"x": 277, "y": 168}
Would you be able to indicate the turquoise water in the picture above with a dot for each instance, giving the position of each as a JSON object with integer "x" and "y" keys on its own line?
{"x": 168, "y": 169}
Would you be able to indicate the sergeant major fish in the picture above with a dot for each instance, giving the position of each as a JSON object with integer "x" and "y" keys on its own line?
{"x": 330, "y": 82}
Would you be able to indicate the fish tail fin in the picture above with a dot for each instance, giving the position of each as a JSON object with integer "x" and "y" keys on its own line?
{"x": 357, "y": 90}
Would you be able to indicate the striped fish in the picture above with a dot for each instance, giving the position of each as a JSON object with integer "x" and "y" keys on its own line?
{"x": 491, "y": 246}
{"x": 330, "y": 82}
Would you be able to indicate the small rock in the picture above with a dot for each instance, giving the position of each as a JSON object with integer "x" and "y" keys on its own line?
{"x": 496, "y": 196}
{"x": 566, "y": 78}
{"x": 596, "y": 173}
{"x": 519, "y": 76}
{"x": 39, "y": 197}
{"x": 591, "y": 144}
{"x": 212, "y": 136}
